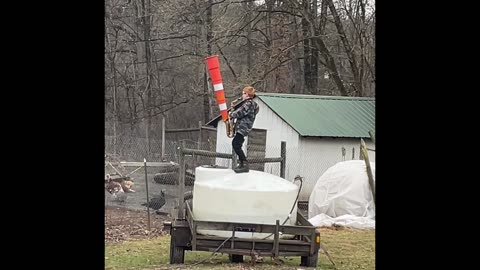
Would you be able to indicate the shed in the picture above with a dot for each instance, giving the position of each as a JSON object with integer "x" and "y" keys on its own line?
{"x": 319, "y": 132}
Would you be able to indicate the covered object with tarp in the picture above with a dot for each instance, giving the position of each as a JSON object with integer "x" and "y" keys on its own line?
{"x": 342, "y": 196}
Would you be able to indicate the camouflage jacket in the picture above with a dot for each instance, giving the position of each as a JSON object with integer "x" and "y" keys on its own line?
{"x": 245, "y": 116}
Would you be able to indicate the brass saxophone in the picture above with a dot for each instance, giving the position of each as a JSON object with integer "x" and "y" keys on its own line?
{"x": 230, "y": 124}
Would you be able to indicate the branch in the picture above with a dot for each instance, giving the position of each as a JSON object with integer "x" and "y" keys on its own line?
{"x": 236, "y": 33}
{"x": 346, "y": 45}
{"x": 172, "y": 37}
{"x": 228, "y": 62}
{"x": 280, "y": 11}
{"x": 171, "y": 57}
{"x": 161, "y": 111}
{"x": 272, "y": 69}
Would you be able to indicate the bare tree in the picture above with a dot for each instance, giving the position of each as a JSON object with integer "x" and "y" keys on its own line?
{"x": 155, "y": 51}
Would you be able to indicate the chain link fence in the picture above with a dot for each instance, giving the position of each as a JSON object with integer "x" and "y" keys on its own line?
{"x": 124, "y": 158}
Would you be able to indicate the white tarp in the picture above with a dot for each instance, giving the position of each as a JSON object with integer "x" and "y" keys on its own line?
{"x": 342, "y": 196}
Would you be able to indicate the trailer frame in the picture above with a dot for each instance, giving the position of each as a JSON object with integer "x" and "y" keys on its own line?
{"x": 184, "y": 228}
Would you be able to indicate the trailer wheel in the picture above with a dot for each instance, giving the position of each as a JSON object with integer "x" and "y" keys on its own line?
{"x": 234, "y": 258}
{"x": 309, "y": 261}
{"x": 177, "y": 254}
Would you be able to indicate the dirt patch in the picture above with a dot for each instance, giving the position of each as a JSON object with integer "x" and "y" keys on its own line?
{"x": 122, "y": 224}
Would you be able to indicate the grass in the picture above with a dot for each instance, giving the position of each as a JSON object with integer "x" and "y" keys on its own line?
{"x": 349, "y": 249}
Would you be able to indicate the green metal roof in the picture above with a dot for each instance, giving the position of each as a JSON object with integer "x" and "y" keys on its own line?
{"x": 325, "y": 116}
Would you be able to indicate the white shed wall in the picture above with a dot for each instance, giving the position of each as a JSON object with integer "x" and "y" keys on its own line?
{"x": 277, "y": 131}
{"x": 308, "y": 157}
{"x": 318, "y": 154}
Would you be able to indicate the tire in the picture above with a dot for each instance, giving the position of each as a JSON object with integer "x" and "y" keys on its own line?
{"x": 177, "y": 254}
{"x": 235, "y": 258}
{"x": 309, "y": 261}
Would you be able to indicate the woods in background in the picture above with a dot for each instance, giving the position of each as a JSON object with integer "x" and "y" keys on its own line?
{"x": 155, "y": 51}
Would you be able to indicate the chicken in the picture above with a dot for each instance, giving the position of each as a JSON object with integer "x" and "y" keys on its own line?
{"x": 118, "y": 187}
{"x": 127, "y": 185}
{"x": 114, "y": 188}
{"x": 157, "y": 201}
{"x": 187, "y": 195}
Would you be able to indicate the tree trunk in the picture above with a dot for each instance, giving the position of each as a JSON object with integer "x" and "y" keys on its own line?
{"x": 317, "y": 41}
{"x": 314, "y": 56}
{"x": 348, "y": 49}
{"x": 133, "y": 120}
{"x": 249, "y": 51}
{"x": 206, "y": 94}
{"x": 330, "y": 63}
{"x": 114, "y": 87}
{"x": 148, "y": 61}
{"x": 269, "y": 79}
{"x": 307, "y": 66}
{"x": 296, "y": 81}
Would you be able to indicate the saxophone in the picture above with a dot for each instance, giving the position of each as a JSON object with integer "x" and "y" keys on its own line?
{"x": 230, "y": 124}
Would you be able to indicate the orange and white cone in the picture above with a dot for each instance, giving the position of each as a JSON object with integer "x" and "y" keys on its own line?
{"x": 214, "y": 70}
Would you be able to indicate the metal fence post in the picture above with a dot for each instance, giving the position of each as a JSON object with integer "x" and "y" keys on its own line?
{"x": 199, "y": 145}
{"x": 283, "y": 155}
{"x": 181, "y": 180}
{"x": 146, "y": 186}
{"x": 163, "y": 139}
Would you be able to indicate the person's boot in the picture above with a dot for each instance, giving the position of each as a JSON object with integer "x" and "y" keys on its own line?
{"x": 243, "y": 168}
{"x": 239, "y": 165}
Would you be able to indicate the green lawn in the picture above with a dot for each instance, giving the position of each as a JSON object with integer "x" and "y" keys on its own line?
{"x": 350, "y": 249}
